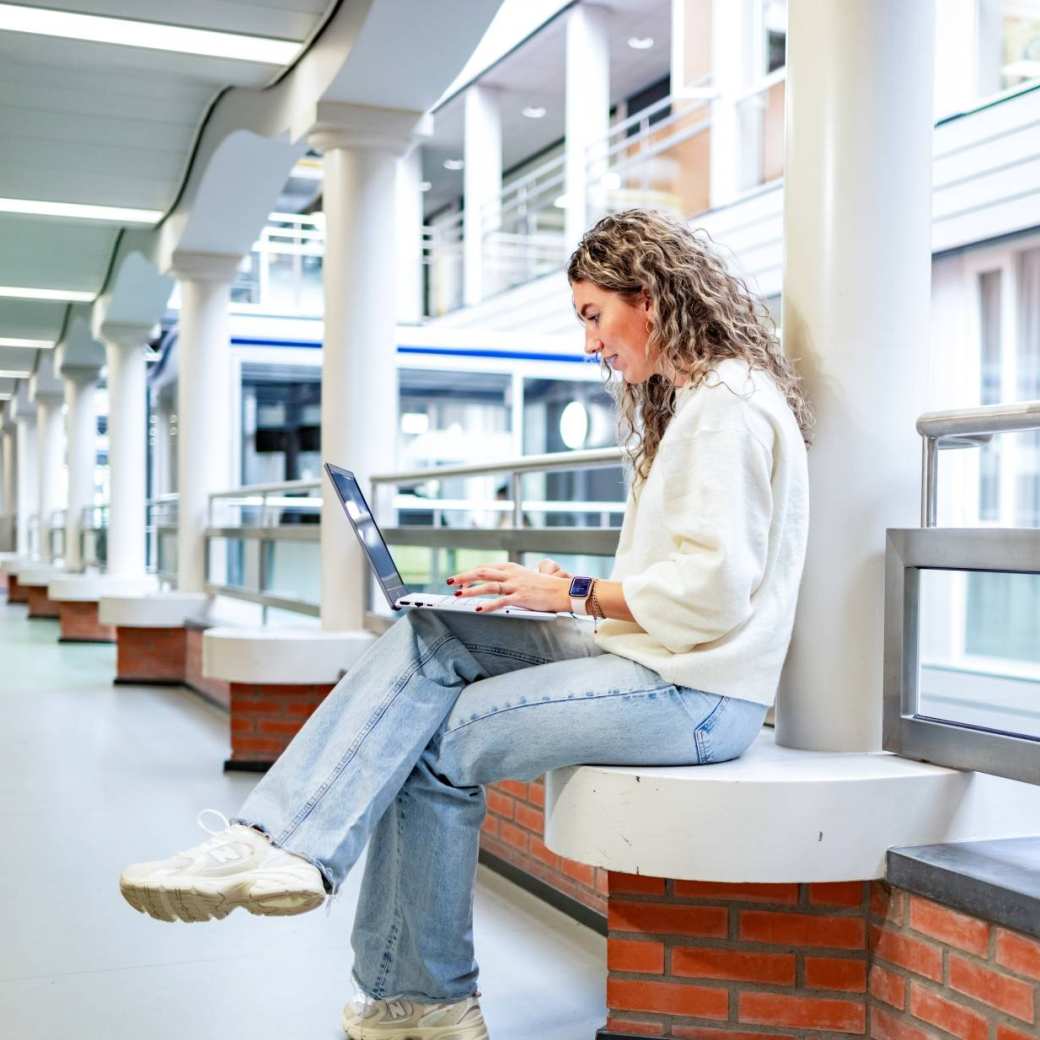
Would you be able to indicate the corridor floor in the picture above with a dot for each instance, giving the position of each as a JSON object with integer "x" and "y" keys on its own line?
{"x": 99, "y": 775}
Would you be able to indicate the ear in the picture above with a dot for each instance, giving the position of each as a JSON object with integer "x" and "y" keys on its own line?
{"x": 645, "y": 301}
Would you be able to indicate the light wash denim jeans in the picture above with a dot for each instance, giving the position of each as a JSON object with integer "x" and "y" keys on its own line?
{"x": 397, "y": 754}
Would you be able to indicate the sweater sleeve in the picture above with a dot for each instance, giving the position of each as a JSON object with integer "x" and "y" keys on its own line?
{"x": 718, "y": 507}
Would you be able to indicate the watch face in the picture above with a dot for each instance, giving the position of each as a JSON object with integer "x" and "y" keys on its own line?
{"x": 580, "y": 587}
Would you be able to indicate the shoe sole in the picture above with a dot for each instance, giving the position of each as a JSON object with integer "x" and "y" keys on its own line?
{"x": 356, "y": 1030}
{"x": 199, "y": 903}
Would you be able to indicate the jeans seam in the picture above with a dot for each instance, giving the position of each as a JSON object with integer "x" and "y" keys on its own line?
{"x": 337, "y": 770}
{"x": 559, "y": 700}
{"x": 702, "y": 734}
{"x": 386, "y": 961}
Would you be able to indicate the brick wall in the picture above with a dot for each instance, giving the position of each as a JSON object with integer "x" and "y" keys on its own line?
{"x": 150, "y": 654}
{"x": 40, "y": 604}
{"x": 937, "y": 973}
{"x": 217, "y": 690}
{"x": 16, "y": 593}
{"x": 513, "y": 829}
{"x": 265, "y": 717}
{"x": 772, "y": 962}
{"x": 79, "y": 623}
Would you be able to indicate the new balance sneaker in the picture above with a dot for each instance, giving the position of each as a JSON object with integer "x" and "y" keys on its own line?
{"x": 398, "y": 1018}
{"x": 237, "y": 866}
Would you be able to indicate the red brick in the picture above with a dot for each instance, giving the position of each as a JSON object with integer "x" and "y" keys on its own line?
{"x": 242, "y": 704}
{"x": 542, "y": 851}
{"x": 150, "y": 653}
{"x": 887, "y": 986}
{"x": 40, "y": 604}
{"x": 1018, "y": 954}
{"x": 776, "y": 969}
{"x": 634, "y": 1026}
{"x": 957, "y": 1019}
{"x": 241, "y": 725}
{"x": 536, "y": 793}
{"x": 915, "y": 955}
{"x": 779, "y": 1009}
{"x": 301, "y": 709}
{"x": 746, "y": 893}
{"x": 490, "y": 825}
{"x": 793, "y": 929}
{"x": 842, "y": 973}
{"x": 256, "y": 747}
{"x": 602, "y": 884}
{"x": 887, "y": 902}
{"x": 667, "y": 998}
{"x": 631, "y": 955}
{"x": 279, "y": 727}
{"x": 513, "y": 835}
{"x": 663, "y": 919}
{"x": 500, "y": 804}
{"x": 79, "y": 620}
{"x": 581, "y": 872}
{"x": 635, "y": 884}
{"x": 886, "y": 1026}
{"x": 837, "y": 893}
{"x": 704, "y": 1033}
{"x": 530, "y": 818}
{"x": 949, "y": 926}
{"x": 1010, "y": 1033}
{"x": 991, "y": 987}
{"x": 514, "y": 787}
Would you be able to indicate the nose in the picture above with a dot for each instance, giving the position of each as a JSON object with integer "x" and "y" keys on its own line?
{"x": 593, "y": 344}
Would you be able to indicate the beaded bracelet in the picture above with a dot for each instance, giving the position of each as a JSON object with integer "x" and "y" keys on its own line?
{"x": 595, "y": 609}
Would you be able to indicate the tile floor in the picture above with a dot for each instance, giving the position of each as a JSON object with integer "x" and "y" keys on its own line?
{"x": 98, "y": 776}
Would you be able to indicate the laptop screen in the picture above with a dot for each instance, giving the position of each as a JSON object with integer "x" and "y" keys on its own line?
{"x": 368, "y": 532}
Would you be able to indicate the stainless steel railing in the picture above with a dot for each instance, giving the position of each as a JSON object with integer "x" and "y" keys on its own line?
{"x": 965, "y": 428}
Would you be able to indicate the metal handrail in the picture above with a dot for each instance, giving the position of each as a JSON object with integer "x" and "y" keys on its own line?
{"x": 962, "y": 428}
{"x": 594, "y": 457}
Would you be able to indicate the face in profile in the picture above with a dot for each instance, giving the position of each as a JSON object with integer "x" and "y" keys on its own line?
{"x": 616, "y": 329}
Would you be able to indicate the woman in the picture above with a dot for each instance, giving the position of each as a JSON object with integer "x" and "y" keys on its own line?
{"x": 682, "y": 669}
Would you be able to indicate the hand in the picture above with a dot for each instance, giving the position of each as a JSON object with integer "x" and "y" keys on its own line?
{"x": 552, "y": 567}
{"x": 514, "y": 586}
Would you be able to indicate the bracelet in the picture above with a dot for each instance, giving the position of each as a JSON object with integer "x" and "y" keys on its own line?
{"x": 595, "y": 609}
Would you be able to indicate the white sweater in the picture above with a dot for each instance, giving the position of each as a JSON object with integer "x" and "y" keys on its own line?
{"x": 712, "y": 549}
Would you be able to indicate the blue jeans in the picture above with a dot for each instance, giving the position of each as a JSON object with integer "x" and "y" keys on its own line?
{"x": 397, "y": 754}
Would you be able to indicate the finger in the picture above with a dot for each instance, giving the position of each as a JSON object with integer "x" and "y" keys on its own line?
{"x": 491, "y": 588}
{"x": 548, "y": 567}
{"x": 477, "y": 574}
{"x": 496, "y": 604}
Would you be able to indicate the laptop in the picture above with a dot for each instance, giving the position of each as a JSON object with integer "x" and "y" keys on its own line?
{"x": 385, "y": 570}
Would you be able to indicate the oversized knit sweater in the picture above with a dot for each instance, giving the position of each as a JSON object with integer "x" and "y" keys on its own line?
{"x": 713, "y": 543}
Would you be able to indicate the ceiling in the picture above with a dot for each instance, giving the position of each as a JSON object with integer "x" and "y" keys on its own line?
{"x": 111, "y": 125}
{"x": 534, "y": 74}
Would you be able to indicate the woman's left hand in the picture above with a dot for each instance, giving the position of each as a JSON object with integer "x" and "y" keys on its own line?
{"x": 515, "y": 586}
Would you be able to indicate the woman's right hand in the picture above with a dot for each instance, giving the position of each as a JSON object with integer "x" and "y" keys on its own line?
{"x": 552, "y": 567}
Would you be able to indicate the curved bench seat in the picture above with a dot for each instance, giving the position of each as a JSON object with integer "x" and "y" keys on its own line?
{"x": 89, "y": 588}
{"x": 158, "y": 610}
{"x": 775, "y": 814}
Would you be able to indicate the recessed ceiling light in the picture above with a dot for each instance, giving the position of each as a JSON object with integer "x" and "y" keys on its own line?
{"x": 10, "y": 373}
{"x": 78, "y": 211}
{"x": 36, "y": 344}
{"x": 640, "y": 43}
{"x": 156, "y": 36}
{"x": 534, "y": 111}
{"x": 453, "y": 164}
{"x": 425, "y": 185}
{"x": 18, "y": 292}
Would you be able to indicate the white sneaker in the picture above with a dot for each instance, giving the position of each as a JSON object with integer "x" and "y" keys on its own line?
{"x": 398, "y": 1018}
{"x": 238, "y": 866}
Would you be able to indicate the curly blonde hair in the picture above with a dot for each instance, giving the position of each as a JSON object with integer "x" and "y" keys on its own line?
{"x": 700, "y": 314}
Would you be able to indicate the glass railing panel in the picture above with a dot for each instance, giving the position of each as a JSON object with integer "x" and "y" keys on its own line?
{"x": 979, "y": 650}
{"x": 761, "y": 123}
{"x": 291, "y": 571}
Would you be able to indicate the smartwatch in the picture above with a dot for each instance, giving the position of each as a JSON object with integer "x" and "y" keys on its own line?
{"x": 579, "y": 594}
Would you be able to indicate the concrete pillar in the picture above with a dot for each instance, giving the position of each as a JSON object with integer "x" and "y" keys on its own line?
{"x": 731, "y": 51}
{"x": 81, "y": 431}
{"x": 587, "y": 110}
{"x": 409, "y": 238}
{"x": 482, "y": 186}
{"x": 204, "y": 403}
{"x": 8, "y": 453}
{"x": 361, "y": 149}
{"x": 50, "y": 461}
{"x": 26, "y": 496}
{"x": 857, "y": 264}
{"x": 125, "y": 346}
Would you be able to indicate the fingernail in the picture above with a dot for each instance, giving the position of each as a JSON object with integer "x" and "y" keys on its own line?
{"x": 451, "y": 581}
{"x": 458, "y": 593}
{"x": 479, "y": 609}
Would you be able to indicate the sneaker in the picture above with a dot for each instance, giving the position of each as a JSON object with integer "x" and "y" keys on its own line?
{"x": 398, "y": 1018}
{"x": 238, "y": 866}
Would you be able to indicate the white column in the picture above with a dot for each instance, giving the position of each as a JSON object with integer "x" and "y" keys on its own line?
{"x": 27, "y": 474}
{"x": 359, "y": 375}
{"x": 8, "y": 449}
{"x": 50, "y": 461}
{"x": 204, "y": 403}
{"x": 587, "y": 109}
{"x": 81, "y": 432}
{"x": 127, "y": 445}
{"x": 409, "y": 238}
{"x": 857, "y": 228}
{"x": 482, "y": 185}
